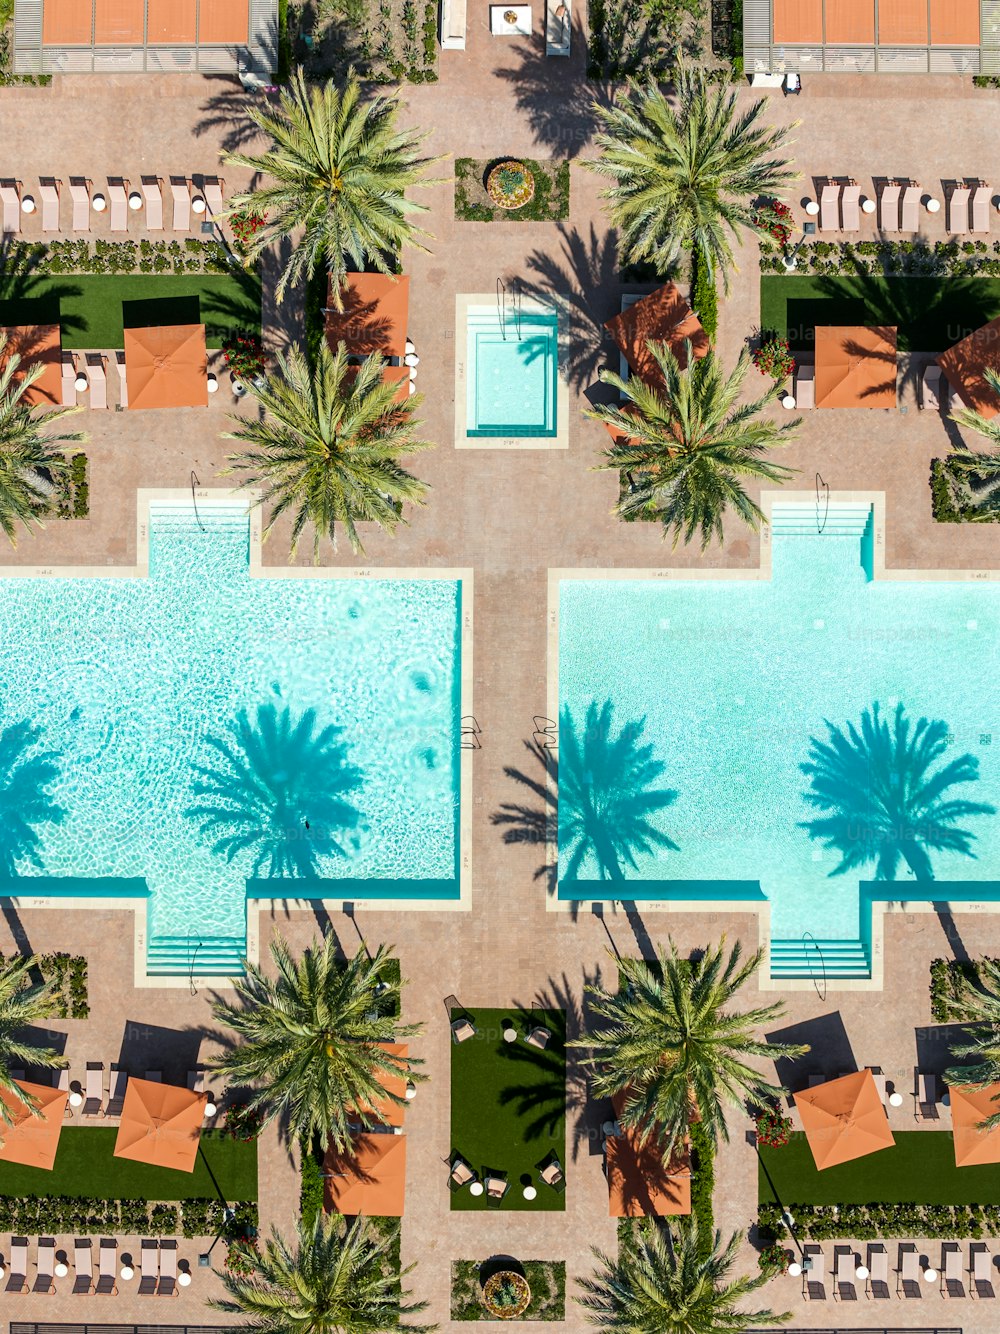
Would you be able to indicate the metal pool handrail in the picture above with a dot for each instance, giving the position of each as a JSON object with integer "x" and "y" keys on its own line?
{"x": 502, "y": 308}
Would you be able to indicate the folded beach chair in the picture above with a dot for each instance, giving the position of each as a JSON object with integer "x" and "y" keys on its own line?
{"x": 181, "y": 193}
{"x": 538, "y": 1037}
{"x": 93, "y": 1093}
{"x": 196, "y": 1081}
{"x": 17, "y": 1269}
{"x": 149, "y": 1268}
{"x": 910, "y": 219}
{"x": 167, "y": 1286}
{"x": 45, "y": 1272}
{"x": 805, "y": 383}
{"x": 958, "y": 210}
{"x": 930, "y": 387}
{"x": 951, "y": 1270}
{"x": 843, "y": 1274}
{"x": 814, "y": 1278}
{"x": 10, "y": 198}
{"x": 107, "y": 1268}
{"x": 118, "y": 194}
{"x": 829, "y": 207}
{"x": 49, "y": 191}
{"x": 850, "y": 208}
{"x": 97, "y": 375}
{"x": 83, "y": 1266}
{"x": 880, "y": 1084}
{"x": 79, "y": 193}
{"x": 908, "y": 1270}
{"x": 888, "y": 207}
{"x": 213, "y": 196}
{"x": 122, "y": 389}
{"x": 878, "y": 1271}
{"x": 981, "y": 1269}
{"x": 68, "y": 362}
{"x": 153, "y": 196}
{"x": 926, "y": 1096}
{"x": 982, "y": 197}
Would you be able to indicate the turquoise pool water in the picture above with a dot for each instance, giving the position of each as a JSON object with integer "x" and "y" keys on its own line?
{"x": 136, "y": 688}
{"x": 735, "y": 680}
{"x": 512, "y": 373}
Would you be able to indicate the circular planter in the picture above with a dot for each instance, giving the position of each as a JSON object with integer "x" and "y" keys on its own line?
{"x": 506, "y": 1295}
{"x": 510, "y": 184}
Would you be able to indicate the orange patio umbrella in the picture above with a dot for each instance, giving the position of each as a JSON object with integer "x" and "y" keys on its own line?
{"x": 970, "y": 1107}
{"x": 160, "y": 1125}
{"x": 372, "y": 1181}
{"x": 963, "y": 366}
{"x": 662, "y": 317}
{"x": 855, "y": 367}
{"x": 640, "y": 1184}
{"x": 37, "y": 342}
{"x": 34, "y": 1137}
{"x": 388, "y": 1112}
{"x": 167, "y": 367}
{"x": 844, "y": 1119}
{"x": 375, "y": 314}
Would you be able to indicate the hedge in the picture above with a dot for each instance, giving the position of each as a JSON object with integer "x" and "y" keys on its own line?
{"x": 45, "y": 1214}
{"x": 311, "y": 1184}
{"x": 868, "y": 1222}
{"x": 947, "y": 976}
{"x": 66, "y": 972}
{"x": 704, "y": 297}
{"x": 703, "y": 1185}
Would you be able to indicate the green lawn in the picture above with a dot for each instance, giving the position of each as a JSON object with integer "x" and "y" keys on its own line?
{"x": 508, "y": 1105}
{"x": 920, "y": 1169}
{"x": 86, "y": 1167}
{"x": 931, "y": 313}
{"x": 94, "y": 308}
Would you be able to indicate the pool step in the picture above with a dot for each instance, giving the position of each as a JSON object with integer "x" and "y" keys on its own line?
{"x": 212, "y": 956}
{"x": 817, "y": 959}
{"x": 808, "y": 518}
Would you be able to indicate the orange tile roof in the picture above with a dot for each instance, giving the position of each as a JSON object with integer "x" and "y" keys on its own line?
{"x": 955, "y": 22}
{"x": 67, "y": 22}
{"x": 174, "y": 21}
{"x": 222, "y": 21}
{"x": 855, "y": 367}
{"x": 844, "y": 1119}
{"x": 798, "y": 21}
{"x": 38, "y": 342}
{"x": 850, "y": 21}
{"x": 902, "y": 22}
{"x": 963, "y": 366}
{"x": 119, "y": 22}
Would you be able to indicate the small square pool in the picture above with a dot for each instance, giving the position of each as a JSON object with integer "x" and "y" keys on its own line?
{"x": 513, "y": 366}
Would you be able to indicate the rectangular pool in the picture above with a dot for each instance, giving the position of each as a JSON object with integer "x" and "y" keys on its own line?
{"x": 512, "y": 372}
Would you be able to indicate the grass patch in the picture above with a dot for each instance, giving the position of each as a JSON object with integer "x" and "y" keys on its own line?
{"x": 921, "y": 1167}
{"x": 550, "y": 202}
{"x": 94, "y": 309}
{"x": 508, "y": 1105}
{"x": 546, "y": 1278}
{"x": 85, "y": 1166}
{"x": 931, "y": 314}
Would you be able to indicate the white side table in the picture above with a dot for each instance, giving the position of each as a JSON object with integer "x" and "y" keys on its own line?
{"x": 61, "y": 1270}
{"x": 895, "y": 1099}
{"x": 503, "y": 25}
{"x": 98, "y": 203}
{"x": 934, "y": 206}
{"x": 476, "y": 1188}
{"x": 529, "y": 1192}
{"x": 127, "y": 1272}
{"x": 812, "y": 208}
{"x": 184, "y": 1278}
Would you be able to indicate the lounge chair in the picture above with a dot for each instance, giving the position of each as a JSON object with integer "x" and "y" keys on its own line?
{"x": 538, "y": 1037}
{"x": 558, "y": 27}
{"x": 118, "y": 194}
{"x": 880, "y": 1085}
{"x": 149, "y": 1270}
{"x": 79, "y": 193}
{"x": 878, "y": 1271}
{"x": 850, "y": 208}
{"x": 196, "y": 1081}
{"x": 122, "y": 381}
{"x": 462, "y": 1029}
{"x": 926, "y": 1097}
{"x": 17, "y": 1269}
{"x": 814, "y": 1278}
{"x": 930, "y": 387}
{"x": 49, "y": 191}
{"x": 68, "y": 380}
{"x": 213, "y": 197}
{"x": 910, "y": 218}
{"x": 93, "y": 1093}
{"x": 843, "y": 1274}
{"x": 10, "y": 199}
{"x": 982, "y": 197}
{"x": 461, "y": 1173}
{"x": 829, "y": 207}
{"x": 888, "y": 207}
{"x": 496, "y": 1189}
{"x": 45, "y": 1271}
{"x": 97, "y": 375}
{"x": 981, "y": 1270}
{"x": 552, "y": 1174}
{"x": 951, "y": 1270}
{"x": 107, "y": 1268}
{"x": 908, "y": 1270}
{"x": 958, "y": 210}
{"x": 83, "y": 1266}
{"x": 119, "y": 1083}
{"x": 153, "y": 196}
{"x": 167, "y": 1286}
{"x": 180, "y": 192}
{"x": 805, "y": 382}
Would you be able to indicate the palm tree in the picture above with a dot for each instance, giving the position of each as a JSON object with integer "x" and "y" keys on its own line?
{"x": 327, "y": 447}
{"x": 981, "y": 467}
{"x": 683, "y": 176}
{"x": 669, "y": 1042}
{"x": 341, "y": 1279}
{"x": 29, "y": 457}
{"x": 310, "y": 1039}
{"x": 884, "y": 790}
{"x": 977, "y": 1004}
{"x": 337, "y": 172}
{"x": 661, "y": 1283}
{"x": 692, "y": 444}
{"x": 23, "y": 1004}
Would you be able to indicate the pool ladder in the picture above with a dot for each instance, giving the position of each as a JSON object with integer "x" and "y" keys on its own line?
{"x": 515, "y": 307}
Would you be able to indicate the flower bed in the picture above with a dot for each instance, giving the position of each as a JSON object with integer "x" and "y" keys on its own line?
{"x": 244, "y": 356}
{"x": 772, "y": 357}
{"x": 546, "y": 1280}
{"x": 547, "y": 202}
{"x": 774, "y": 1129}
{"x": 774, "y": 220}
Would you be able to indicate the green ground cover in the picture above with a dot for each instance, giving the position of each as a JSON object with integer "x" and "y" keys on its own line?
{"x": 546, "y": 1278}
{"x": 93, "y": 308}
{"x": 919, "y": 1169}
{"x": 508, "y": 1105}
{"x": 86, "y": 1167}
{"x": 931, "y": 314}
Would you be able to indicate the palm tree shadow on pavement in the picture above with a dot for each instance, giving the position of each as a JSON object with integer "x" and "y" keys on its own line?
{"x": 554, "y": 95}
{"x": 534, "y": 825}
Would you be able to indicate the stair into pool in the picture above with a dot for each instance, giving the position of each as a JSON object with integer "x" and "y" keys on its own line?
{"x": 812, "y": 518}
{"x": 819, "y": 959}
{"x": 196, "y": 956}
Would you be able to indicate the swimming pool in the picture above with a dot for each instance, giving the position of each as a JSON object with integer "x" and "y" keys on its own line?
{"x": 735, "y": 685}
{"x": 203, "y": 729}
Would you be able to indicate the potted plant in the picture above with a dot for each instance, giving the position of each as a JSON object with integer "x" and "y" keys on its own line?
{"x": 506, "y": 1295}
{"x": 773, "y": 1128}
{"x": 244, "y": 355}
{"x": 510, "y": 184}
{"x": 774, "y": 1259}
{"x": 772, "y": 357}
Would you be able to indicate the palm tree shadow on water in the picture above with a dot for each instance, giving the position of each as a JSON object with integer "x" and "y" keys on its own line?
{"x": 275, "y": 787}
{"x": 27, "y": 773}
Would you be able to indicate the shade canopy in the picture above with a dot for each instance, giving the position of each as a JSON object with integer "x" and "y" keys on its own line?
{"x": 371, "y": 1181}
{"x": 640, "y": 1184}
{"x": 167, "y": 367}
{"x": 844, "y": 1119}
{"x": 663, "y": 317}
{"x": 34, "y": 1137}
{"x": 375, "y": 315}
{"x": 161, "y": 1125}
{"x": 384, "y": 1109}
{"x": 970, "y": 1107}
{"x": 855, "y": 366}
{"x": 963, "y": 366}
{"x": 34, "y": 343}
